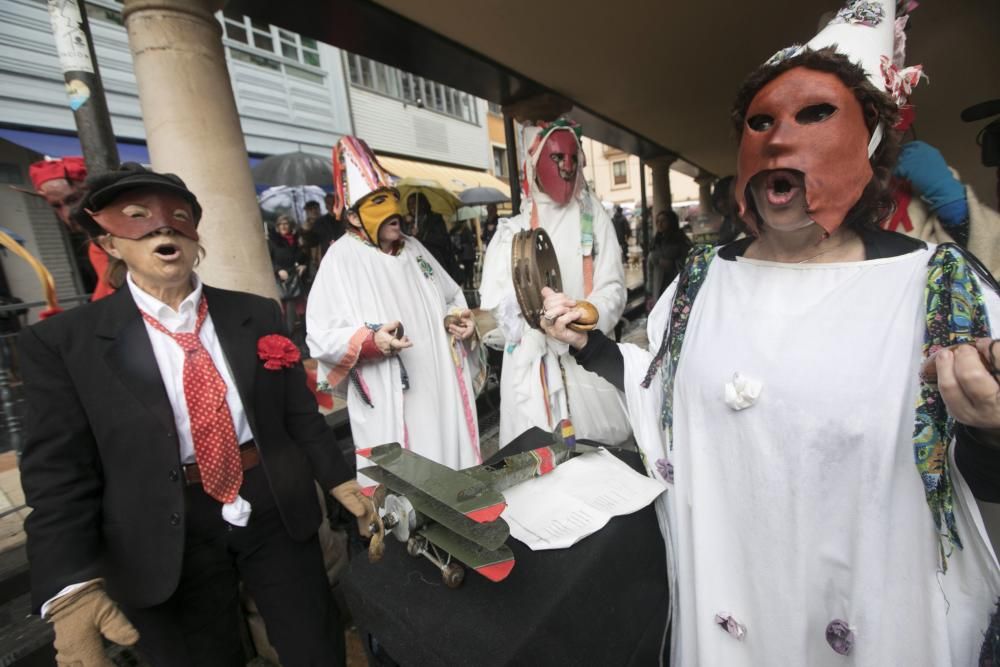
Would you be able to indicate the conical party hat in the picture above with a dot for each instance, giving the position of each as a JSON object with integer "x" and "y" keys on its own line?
{"x": 864, "y": 31}
{"x": 870, "y": 33}
{"x": 356, "y": 172}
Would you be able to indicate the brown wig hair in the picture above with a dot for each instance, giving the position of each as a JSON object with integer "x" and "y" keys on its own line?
{"x": 876, "y": 203}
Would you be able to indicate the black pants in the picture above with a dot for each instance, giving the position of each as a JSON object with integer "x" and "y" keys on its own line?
{"x": 199, "y": 624}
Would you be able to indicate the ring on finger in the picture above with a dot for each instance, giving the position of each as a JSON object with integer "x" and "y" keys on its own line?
{"x": 549, "y": 318}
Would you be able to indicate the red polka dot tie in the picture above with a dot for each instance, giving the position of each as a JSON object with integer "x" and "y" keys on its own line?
{"x": 215, "y": 446}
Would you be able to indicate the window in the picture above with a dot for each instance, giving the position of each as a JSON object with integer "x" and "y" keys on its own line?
{"x": 268, "y": 46}
{"x": 619, "y": 172}
{"x": 367, "y": 80}
{"x": 385, "y": 80}
{"x": 289, "y": 50}
{"x": 381, "y": 78}
{"x": 500, "y": 162}
{"x": 236, "y": 32}
{"x": 254, "y": 59}
{"x": 263, "y": 40}
{"x": 303, "y": 74}
{"x": 406, "y": 86}
{"x": 99, "y": 13}
{"x": 495, "y": 108}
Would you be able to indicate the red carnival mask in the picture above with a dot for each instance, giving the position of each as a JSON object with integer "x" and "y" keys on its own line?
{"x": 808, "y": 121}
{"x": 557, "y": 166}
{"x": 136, "y": 213}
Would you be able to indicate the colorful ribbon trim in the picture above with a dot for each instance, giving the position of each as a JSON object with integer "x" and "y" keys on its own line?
{"x": 458, "y": 357}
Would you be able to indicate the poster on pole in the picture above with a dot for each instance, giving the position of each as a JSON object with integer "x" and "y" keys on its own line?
{"x": 71, "y": 41}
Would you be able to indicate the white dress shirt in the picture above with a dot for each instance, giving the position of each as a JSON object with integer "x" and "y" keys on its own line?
{"x": 170, "y": 360}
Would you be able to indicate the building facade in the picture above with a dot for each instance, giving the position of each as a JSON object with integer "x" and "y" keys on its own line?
{"x": 292, "y": 93}
{"x": 400, "y": 114}
{"x": 290, "y": 90}
{"x": 614, "y": 176}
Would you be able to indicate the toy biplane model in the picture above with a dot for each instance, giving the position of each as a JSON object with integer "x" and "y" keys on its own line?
{"x": 446, "y": 514}
{"x": 450, "y": 515}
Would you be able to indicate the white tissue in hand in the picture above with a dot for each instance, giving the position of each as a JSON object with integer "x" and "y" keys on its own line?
{"x": 509, "y": 319}
{"x": 742, "y": 391}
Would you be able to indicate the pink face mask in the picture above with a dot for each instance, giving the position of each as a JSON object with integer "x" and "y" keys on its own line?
{"x": 139, "y": 212}
{"x": 558, "y": 164}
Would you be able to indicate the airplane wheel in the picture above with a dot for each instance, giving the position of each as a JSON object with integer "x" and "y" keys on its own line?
{"x": 453, "y": 575}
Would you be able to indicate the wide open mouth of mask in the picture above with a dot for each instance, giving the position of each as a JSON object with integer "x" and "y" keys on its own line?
{"x": 779, "y": 187}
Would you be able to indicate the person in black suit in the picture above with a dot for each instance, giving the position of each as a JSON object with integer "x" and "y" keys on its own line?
{"x": 171, "y": 453}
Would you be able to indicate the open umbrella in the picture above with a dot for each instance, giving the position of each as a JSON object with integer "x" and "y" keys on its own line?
{"x": 482, "y": 196}
{"x": 290, "y": 200}
{"x": 294, "y": 169}
{"x": 470, "y": 212}
{"x": 441, "y": 199}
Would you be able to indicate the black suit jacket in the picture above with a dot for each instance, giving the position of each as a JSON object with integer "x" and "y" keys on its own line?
{"x": 101, "y": 467}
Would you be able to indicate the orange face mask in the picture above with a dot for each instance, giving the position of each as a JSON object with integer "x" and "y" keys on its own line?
{"x": 811, "y": 122}
{"x": 136, "y": 213}
{"x": 377, "y": 208}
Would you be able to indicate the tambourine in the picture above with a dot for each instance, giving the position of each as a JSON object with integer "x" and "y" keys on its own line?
{"x": 534, "y": 265}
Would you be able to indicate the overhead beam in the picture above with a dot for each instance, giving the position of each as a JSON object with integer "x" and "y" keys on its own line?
{"x": 370, "y": 30}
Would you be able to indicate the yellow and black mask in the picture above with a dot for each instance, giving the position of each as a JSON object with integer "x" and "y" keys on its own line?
{"x": 377, "y": 208}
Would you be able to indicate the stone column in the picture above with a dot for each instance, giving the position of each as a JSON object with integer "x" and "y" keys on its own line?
{"x": 193, "y": 130}
{"x": 704, "y": 181}
{"x": 662, "y": 197}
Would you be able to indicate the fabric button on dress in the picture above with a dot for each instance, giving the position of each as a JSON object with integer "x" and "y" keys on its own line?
{"x": 175, "y": 519}
{"x": 726, "y": 621}
{"x": 174, "y": 475}
{"x": 839, "y": 636}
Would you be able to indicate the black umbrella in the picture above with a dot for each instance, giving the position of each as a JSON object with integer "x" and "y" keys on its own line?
{"x": 294, "y": 169}
{"x": 482, "y": 196}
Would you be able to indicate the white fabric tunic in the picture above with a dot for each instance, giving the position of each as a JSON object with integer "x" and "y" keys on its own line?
{"x": 594, "y": 404}
{"x": 806, "y": 507}
{"x": 358, "y": 284}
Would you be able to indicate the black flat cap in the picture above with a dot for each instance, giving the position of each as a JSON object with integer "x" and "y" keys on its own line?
{"x": 102, "y": 189}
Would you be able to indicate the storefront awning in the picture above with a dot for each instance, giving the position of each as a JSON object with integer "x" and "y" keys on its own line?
{"x": 61, "y": 145}
{"x": 454, "y": 179}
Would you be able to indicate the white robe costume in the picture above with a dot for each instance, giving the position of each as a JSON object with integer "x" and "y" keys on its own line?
{"x": 806, "y": 507}
{"x": 357, "y": 285}
{"x": 594, "y": 405}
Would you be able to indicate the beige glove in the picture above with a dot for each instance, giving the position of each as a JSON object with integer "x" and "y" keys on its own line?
{"x": 80, "y": 619}
{"x": 362, "y": 507}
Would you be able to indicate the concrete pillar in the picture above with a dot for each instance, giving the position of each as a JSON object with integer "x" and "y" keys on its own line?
{"x": 662, "y": 197}
{"x": 193, "y": 130}
{"x": 704, "y": 181}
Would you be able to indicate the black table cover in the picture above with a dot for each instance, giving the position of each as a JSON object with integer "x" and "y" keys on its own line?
{"x": 601, "y": 602}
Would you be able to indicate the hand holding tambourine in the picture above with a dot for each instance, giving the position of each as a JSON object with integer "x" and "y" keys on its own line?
{"x": 566, "y": 319}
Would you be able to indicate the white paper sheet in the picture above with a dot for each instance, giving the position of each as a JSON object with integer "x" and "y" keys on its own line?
{"x": 576, "y": 499}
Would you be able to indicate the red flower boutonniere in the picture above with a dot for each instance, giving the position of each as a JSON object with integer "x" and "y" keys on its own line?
{"x": 277, "y": 352}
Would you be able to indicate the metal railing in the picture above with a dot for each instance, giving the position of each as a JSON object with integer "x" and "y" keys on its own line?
{"x": 11, "y": 396}
{"x": 13, "y": 318}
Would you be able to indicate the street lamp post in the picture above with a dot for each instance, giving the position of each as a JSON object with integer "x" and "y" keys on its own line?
{"x": 83, "y": 84}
